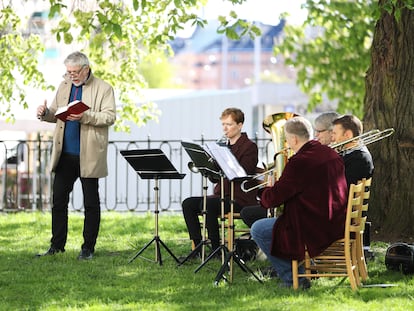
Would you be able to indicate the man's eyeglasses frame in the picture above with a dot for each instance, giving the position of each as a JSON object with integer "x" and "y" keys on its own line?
{"x": 74, "y": 73}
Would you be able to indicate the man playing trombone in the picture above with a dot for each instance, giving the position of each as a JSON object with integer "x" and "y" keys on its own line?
{"x": 358, "y": 160}
{"x": 313, "y": 191}
{"x": 346, "y": 135}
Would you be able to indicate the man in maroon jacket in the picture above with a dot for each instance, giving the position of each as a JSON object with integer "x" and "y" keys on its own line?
{"x": 313, "y": 191}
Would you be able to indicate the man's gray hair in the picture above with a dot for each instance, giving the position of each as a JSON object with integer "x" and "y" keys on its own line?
{"x": 325, "y": 120}
{"x": 76, "y": 59}
{"x": 300, "y": 127}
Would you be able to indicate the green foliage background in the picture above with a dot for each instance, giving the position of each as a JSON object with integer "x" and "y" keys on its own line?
{"x": 121, "y": 38}
{"x": 331, "y": 51}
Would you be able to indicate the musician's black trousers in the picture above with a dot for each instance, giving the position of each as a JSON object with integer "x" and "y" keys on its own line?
{"x": 249, "y": 214}
{"x": 192, "y": 208}
{"x": 67, "y": 172}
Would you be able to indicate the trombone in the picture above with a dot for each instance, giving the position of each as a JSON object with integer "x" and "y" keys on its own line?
{"x": 262, "y": 177}
{"x": 365, "y": 138}
{"x": 268, "y": 175}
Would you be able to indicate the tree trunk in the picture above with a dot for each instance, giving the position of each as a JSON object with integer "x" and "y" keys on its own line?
{"x": 389, "y": 102}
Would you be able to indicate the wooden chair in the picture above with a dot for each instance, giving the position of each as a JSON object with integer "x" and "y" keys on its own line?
{"x": 340, "y": 258}
{"x": 233, "y": 230}
{"x": 361, "y": 261}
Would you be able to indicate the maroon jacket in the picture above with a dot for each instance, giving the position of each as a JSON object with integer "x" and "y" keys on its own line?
{"x": 314, "y": 192}
{"x": 246, "y": 154}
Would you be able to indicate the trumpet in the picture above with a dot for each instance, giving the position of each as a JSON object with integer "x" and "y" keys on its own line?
{"x": 365, "y": 139}
{"x": 222, "y": 141}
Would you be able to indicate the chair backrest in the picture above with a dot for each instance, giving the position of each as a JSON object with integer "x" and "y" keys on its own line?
{"x": 367, "y": 192}
{"x": 354, "y": 222}
{"x": 337, "y": 259}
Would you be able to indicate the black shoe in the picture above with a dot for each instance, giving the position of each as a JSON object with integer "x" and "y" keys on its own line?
{"x": 269, "y": 271}
{"x": 51, "y": 251}
{"x": 369, "y": 254}
{"x": 85, "y": 254}
{"x": 304, "y": 284}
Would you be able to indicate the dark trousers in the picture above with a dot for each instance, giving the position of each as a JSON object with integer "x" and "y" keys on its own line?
{"x": 192, "y": 208}
{"x": 249, "y": 214}
{"x": 67, "y": 172}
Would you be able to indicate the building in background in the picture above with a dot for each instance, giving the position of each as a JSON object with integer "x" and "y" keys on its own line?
{"x": 209, "y": 60}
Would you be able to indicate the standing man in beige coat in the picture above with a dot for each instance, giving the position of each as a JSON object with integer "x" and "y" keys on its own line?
{"x": 79, "y": 150}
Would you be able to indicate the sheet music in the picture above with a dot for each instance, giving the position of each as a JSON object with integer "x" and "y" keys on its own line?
{"x": 226, "y": 160}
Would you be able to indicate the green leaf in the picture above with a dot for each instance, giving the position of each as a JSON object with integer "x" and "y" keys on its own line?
{"x": 67, "y": 38}
{"x": 117, "y": 29}
{"x": 135, "y": 4}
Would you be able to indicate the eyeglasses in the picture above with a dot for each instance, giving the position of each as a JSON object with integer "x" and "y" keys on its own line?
{"x": 73, "y": 73}
{"x": 320, "y": 131}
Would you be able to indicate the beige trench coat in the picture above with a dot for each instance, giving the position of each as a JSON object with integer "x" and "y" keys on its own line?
{"x": 94, "y": 125}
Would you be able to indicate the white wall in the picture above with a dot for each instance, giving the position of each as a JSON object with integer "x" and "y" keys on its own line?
{"x": 188, "y": 114}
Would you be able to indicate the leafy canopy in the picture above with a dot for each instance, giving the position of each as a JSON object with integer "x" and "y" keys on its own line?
{"x": 19, "y": 63}
{"x": 118, "y": 37}
{"x": 332, "y": 61}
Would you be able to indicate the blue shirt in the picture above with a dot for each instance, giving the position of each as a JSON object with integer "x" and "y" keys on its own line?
{"x": 71, "y": 138}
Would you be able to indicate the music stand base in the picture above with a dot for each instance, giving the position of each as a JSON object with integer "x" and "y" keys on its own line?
{"x": 240, "y": 263}
{"x": 194, "y": 251}
{"x": 218, "y": 249}
{"x": 158, "y": 243}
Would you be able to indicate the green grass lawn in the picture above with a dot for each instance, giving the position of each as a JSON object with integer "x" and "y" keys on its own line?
{"x": 109, "y": 282}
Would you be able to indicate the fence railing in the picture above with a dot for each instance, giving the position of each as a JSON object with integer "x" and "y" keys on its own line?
{"x": 26, "y": 181}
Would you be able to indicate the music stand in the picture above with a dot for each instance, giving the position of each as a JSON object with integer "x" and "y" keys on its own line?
{"x": 205, "y": 164}
{"x": 233, "y": 171}
{"x": 153, "y": 164}
{"x": 222, "y": 248}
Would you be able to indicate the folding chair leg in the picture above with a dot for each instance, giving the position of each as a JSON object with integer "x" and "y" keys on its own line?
{"x": 295, "y": 276}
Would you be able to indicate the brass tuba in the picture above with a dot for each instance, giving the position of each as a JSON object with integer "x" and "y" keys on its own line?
{"x": 274, "y": 124}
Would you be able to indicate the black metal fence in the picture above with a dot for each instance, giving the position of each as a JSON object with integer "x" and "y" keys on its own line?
{"x": 26, "y": 181}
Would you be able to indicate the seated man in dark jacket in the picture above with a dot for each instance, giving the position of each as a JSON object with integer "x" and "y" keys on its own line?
{"x": 245, "y": 151}
{"x": 357, "y": 158}
{"x": 314, "y": 192}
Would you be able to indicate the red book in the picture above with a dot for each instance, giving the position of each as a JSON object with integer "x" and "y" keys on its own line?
{"x": 74, "y": 107}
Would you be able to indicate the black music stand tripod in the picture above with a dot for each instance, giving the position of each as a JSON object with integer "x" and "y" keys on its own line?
{"x": 232, "y": 170}
{"x": 230, "y": 252}
{"x": 222, "y": 248}
{"x": 203, "y": 163}
{"x": 153, "y": 164}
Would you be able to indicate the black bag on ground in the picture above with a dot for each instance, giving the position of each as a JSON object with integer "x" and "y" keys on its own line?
{"x": 400, "y": 257}
{"x": 246, "y": 248}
